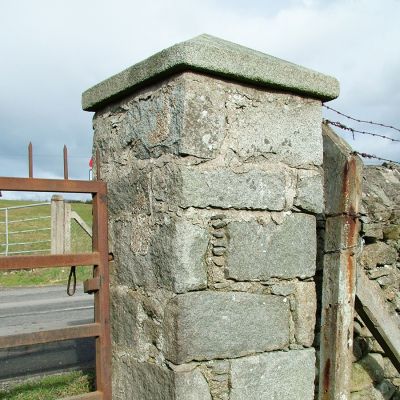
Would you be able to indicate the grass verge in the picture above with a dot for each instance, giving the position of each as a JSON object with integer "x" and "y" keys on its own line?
{"x": 51, "y": 387}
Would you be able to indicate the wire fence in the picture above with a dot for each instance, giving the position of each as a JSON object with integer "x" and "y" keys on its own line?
{"x": 354, "y": 131}
{"x": 20, "y": 233}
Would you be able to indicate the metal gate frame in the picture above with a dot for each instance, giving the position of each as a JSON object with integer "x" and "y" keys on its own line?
{"x": 99, "y": 285}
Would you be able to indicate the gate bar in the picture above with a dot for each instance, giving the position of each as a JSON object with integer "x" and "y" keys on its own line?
{"x": 49, "y": 261}
{"x": 54, "y": 335}
{"x": 51, "y": 185}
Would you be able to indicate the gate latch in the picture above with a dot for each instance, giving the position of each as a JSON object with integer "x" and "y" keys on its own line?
{"x": 91, "y": 285}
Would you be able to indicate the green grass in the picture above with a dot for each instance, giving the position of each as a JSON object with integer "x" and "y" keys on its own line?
{"x": 51, "y": 387}
{"x": 80, "y": 242}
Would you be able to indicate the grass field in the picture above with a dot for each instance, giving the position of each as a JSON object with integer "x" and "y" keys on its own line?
{"x": 51, "y": 387}
{"x": 36, "y": 230}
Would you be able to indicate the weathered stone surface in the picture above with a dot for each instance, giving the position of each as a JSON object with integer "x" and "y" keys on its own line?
{"x": 171, "y": 255}
{"x": 391, "y": 232}
{"x": 191, "y": 146}
{"x": 310, "y": 191}
{"x": 360, "y": 378}
{"x": 203, "y": 120}
{"x": 365, "y": 372}
{"x": 305, "y": 313}
{"x": 259, "y": 251}
{"x": 209, "y": 325}
{"x": 217, "y": 57}
{"x": 178, "y": 253}
{"x": 191, "y": 114}
{"x": 140, "y": 380}
{"x": 191, "y": 385}
{"x": 131, "y": 241}
{"x": 146, "y": 124}
{"x": 378, "y": 253}
{"x": 373, "y": 230}
{"x": 124, "y": 312}
{"x": 128, "y": 188}
{"x": 383, "y": 391}
{"x": 281, "y": 127}
{"x": 270, "y": 189}
{"x": 274, "y": 376}
{"x": 283, "y": 289}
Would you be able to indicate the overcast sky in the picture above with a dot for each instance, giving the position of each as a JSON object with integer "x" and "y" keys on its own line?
{"x": 53, "y": 50}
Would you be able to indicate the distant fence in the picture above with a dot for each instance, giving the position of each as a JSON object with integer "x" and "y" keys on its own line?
{"x": 24, "y": 231}
{"x": 17, "y": 230}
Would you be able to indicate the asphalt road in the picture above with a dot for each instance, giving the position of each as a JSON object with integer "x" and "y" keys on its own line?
{"x": 25, "y": 310}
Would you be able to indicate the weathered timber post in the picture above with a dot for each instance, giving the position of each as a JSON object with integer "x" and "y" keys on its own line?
{"x": 60, "y": 225}
{"x": 343, "y": 178}
{"x": 213, "y": 157}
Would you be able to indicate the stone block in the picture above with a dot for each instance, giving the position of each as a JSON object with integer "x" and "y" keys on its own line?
{"x": 170, "y": 255}
{"x": 248, "y": 188}
{"x": 141, "y": 380}
{"x": 279, "y": 126}
{"x": 178, "y": 253}
{"x": 210, "y": 325}
{"x": 191, "y": 385}
{"x": 310, "y": 191}
{"x": 305, "y": 313}
{"x": 203, "y": 118}
{"x": 258, "y": 252}
{"x": 124, "y": 313}
{"x": 391, "y": 232}
{"x": 131, "y": 239}
{"x": 378, "y": 253}
{"x": 360, "y": 378}
{"x": 143, "y": 125}
{"x": 128, "y": 189}
{"x": 374, "y": 230}
{"x": 274, "y": 376}
{"x": 218, "y": 57}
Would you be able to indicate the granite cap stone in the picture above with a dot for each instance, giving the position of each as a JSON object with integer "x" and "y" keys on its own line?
{"x": 218, "y": 57}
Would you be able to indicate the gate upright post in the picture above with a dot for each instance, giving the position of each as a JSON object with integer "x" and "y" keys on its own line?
{"x": 101, "y": 297}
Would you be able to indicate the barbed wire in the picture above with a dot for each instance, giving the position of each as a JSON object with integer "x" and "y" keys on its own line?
{"x": 353, "y": 131}
{"x": 366, "y": 155}
{"x": 361, "y": 120}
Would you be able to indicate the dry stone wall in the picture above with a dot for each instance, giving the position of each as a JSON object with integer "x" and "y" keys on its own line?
{"x": 374, "y": 377}
{"x": 214, "y": 187}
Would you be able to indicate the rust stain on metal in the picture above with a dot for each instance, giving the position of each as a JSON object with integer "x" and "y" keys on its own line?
{"x": 326, "y": 377}
{"x": 30, "y": 160}
{"x": 349, "y": 174}
{"x": 350, "y": 275}
{"x": 339, "y": 283}
{"x": 65, "y": 156}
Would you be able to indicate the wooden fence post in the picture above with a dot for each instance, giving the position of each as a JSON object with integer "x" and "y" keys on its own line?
{"x": 60, "y": 225}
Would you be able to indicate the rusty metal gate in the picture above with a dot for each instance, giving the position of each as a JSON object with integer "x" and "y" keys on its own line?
{"x": 99, "y": 284}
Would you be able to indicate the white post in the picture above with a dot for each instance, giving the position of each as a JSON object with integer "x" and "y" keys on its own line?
{"x": 6, "y": 221}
